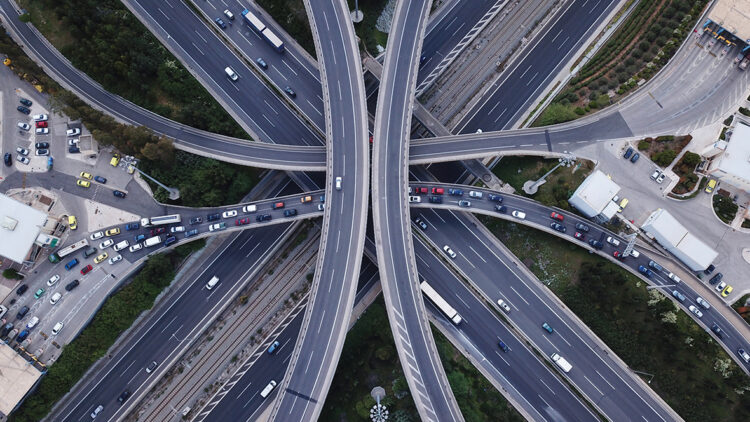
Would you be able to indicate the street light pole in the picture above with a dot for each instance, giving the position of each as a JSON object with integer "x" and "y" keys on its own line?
{"x": 660, "y": 286}
{"x": 174, "y": 193}
{"x": 646, "y": 374}
{"x": 531, "y": 186}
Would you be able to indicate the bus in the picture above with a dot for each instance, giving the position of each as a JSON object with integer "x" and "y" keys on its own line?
{"x": 159, "y": 221}
{"x": 440, "y": 303}
{"x": 253, "y": 21}
{"x": 63, "y": 252}
{"x": 272, "y": 39}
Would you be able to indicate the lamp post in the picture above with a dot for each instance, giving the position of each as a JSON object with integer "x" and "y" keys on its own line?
{"x": 531, "y": 186}
{"x": 644, "y": 373}
{"x": 660, "y": 286}
{"x": 357, "y": 14}
{"x": 174, "y": 193}
{"x": 378, "y": 413}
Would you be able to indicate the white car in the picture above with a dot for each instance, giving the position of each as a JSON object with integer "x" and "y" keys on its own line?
{"x": 415, "y": 199}
{"x": 136, "y": 247}
{"x": 721, "y": 286}
{"x": 73, "y": 142}
{"x": 42, "y": 131}
{"x": 40, "y": 117}
{"x": 702, "y": 302}
{"x": 52, "y": 280}
{"x": 448, "y": 251}
{"x": 41, "y": 152}
{"x": 73, "y": 132}
{"x": 107, "y": 243}
{"x": 672, "y": 276}
{"x": 655, "y": 174}
{"x": 55, "y": 298}
{"x": 56, "y": 329}
{"x": 24, "y": 126}
{"x": 501, "y": 303}
{"x": 179, "y": 229}
{"x": 338, "y": 183}
{"x": 32, "y": 322}
{"x": 228, "y": 214}
{"x": 696, "y": 311}
{"x": 475, "y": 194}
{"x": 22, "y": 151}
{"x": 97, "y": 235}
{"x": 249, "y": 208}
{"x": 660, "y": 178}
{"x": 612, "y": 241}
{"x": 115, "y": 259}
{"x": 519, "y": 214}
{"x": 22, "y": 159}
{"x": 229, "y": 15}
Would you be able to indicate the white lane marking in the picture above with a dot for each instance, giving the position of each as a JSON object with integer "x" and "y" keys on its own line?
{"x": 519, "y": 295}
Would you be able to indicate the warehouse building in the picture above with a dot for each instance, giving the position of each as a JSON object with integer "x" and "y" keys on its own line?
{"x": 20, "y": 226}
{"x": 594, "y": 197}
{"x": 674, "y": 237}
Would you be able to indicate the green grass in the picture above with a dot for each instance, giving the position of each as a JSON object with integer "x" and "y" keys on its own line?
{"x": 560, "y": 185}
{"x": 692, "y": 373}
{"x": 366, "y": 31}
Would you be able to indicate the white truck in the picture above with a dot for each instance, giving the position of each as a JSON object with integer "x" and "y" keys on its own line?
{"x": 152, "y": 241}
{"x": 561, "y": 362}
{"x": 266, "y": 391}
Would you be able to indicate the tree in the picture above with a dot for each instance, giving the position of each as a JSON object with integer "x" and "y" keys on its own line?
{"x": 664, "y": 158}
{"x": 11, "y": 274}
{"x": 691, "y": 159}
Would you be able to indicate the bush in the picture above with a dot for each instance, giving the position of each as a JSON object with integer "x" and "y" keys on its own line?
{"x": 691, "y": 159}
{"x": 644, "y": 145}
{"x": 725, "y": 208}
{"x": 12, "y": 274}
{"x": 664, "y": 158}
{"x": 728, "y": 120}
{"x": 745, "y": 111}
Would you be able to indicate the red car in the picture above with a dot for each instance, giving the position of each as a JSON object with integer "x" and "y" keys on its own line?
{"x": 420, "y": 190}
{"x": 579, "y": 236}
{"x": 438, "y": 191}
{"x": 41, "y": 124}
{"x": 557, "y": 216}
{"x": 159, "y": 230}
{"x": 242, "y": 222}
{"x": 618, "y": 255}
{"x": 278, "y": 205}
{"x": 86, "y": 269}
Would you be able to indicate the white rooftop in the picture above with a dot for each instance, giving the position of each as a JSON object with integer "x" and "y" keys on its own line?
{"x": 594, "y": 194}
{"x": 17, "y": 377}
{"x": 733, "y": 15}
{"x": 20, "y": 225}
{"x": 736, "y": 158}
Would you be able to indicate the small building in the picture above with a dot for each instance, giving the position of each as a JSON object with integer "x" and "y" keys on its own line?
{"x": 733, "y": 165}
{"x": 19, "y": 375}
{"x": 593, "y": 198}
{"x": 675, "y": 238}
{"x": 20, "y": 226}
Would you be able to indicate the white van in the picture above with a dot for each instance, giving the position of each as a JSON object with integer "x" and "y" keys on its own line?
{"x": 3, "y": 310}
{"x": 249, "y": 208}
{"x": 266, "y": 391}
{"x": 230, "y": 73}
{"x": 211, "y": 283}
{"x": 120, "y": 246}
{"x": 561, "y": 362}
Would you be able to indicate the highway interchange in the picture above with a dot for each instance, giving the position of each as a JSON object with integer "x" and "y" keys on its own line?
{"x": 309, "y": 210}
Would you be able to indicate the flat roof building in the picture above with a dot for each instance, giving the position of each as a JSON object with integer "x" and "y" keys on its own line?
{"x": 18, "y": 377}
{"x": 593, "y": 198}
{"x": 675, "y": 238}
{"x": 733, "y": 165}
{"x": 20, "y": 225}
{"x": 733, "y": 16}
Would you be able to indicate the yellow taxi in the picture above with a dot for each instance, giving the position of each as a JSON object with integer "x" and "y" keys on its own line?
{"x": 83, "y": 183}
{"x": 72, "y": 222}
{"x": 115, "y": 160}
{"x": 100, "y": 258}
{"x": 727, "y": 290}
{"x": 113, "y": 231}
{"x": 711, "y": 185}
{"x": 131, "y": 169}
{"x": 86, "y": 176}
{"x": 623, "y": 204}
{"x": 305, "y": 199}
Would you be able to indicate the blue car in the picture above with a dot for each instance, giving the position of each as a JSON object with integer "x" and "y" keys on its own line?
{"x": 496, "y": 198}
{"x": 132, "y": 226}
{"x": 191, "y": 233}
{"x": 221, "y": 23}
{"x": 21, "y": 337}
{"x": 628, "y": 152}
{"x": 170, "y": 240}
{"x": 272, "y": 348}
{"x": 456, "y": 192}
{"x": 139, "y": 238}
{"x": 100, "y": 179}
{"x": 648, "y": 273}
{"x": 635, "y": 157}
{"x": 71, "y": 264}
{"x": 436, "y": 199}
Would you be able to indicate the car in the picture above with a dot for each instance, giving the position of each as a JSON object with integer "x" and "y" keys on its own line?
{"x": 277, "y": 205}
{"x": 623, "y": 204}
{"x": 25, "y": 102}
{"x": 475, "y": 194}
{"x": 123, "y": 397}
{"x": 73, "y": 150}
{"x": 191, "y": 233}
{"x": 132, "y": 226}
{"x": 172, "y": 239}
{"x": 151, "y": 366}
{"x": 22, "y": 336}
{"x": 38, "y": 293}
{"x": 681, "y": 297}
{"x": 290, "y": 92}
{"x": 635, "y": 157}
{"x": 100, "y": 258}
{"x": 242, "y": 221}
{"x": 290, "y": 213}
{"x": 263, "y": 217}
{"x": 671, "y": 276}
{"x": 456, "y": 192}
{"x": 97, "y": 411}
{"x": 22, "y": 151}
{"x": 177, "y": 229}
{"x": 107, "y": 243}
{"x": 115, "y": 158}
{"x": 306, "y": 199}
{"x": 501, "y": 208}
{"x": 73, "y": 262}
{"x": 719, "y": 287}
{"x": 435, "y": 199}
{"x": 72, "y": 285}
{"x": 24, "y": 110}
{"x": 438, "y": 191}
{"x": 139, "y": 237}
{"x": 322, "y": 199}
{"x": 710, "y": 186}
{"x": 699, "y": 300}
{"x": 221, "y": 23}
{"x": 503, "y": 305}
{"x": 158, "y": 230}
{"x": 518, "y": 214}
{"x": 213, "y": 217}
{"x": 273, "y": 347}
{"x": 55, "y": 298}
{"x": 73, "y": 132}
{"x": 743, "y": 354}
{"x": 73, "y": 142}
{"x": 24, "y": 126}
{"x": 661, "y": 177}
{"x": 112, "y": 232}
{"x": 41, "y": 145}
{"x": 464, "y": 203}
{"x": 72, "y": 222}
{"x": 618, "y": 255}
{"x": 716, "y": 278}
{"x": 196, "y": 220}
{"x": 448, "y": 251}
{"x": 696, "y": 311}
{"x": 52, "y": 280}
{"x": 42, "y": 152}
{"x": 321, "y": 207}
{"x": 548, "y": 328}
{"x": 419, "y": 222}
{"x": 85, "y": 175}
{"x": 119, "y": 193}
{"x": 494, "y": 198}
{"x": 613, "y": 241}
{"x": 85, "y": 270}
{"x": 628, "y": 152}
{"x": 83, "y": 183}
{"x": 556, "y": 216}
{"x": 715, "y": 328}
{"x": 655, "y": 174}
{"x": 8, "y": 158}
{"x": 32, "y": 322}
{"x": 23, "y": 160}
{"x": 653, "y": 264}
{"x": 339, "y": 181}
{"x": 262, "y": 63}
{"x": 415, "y": 199}
{"x": 645, "y": 271}
{"x": 22, "y": 289}
{"x": 727, "y": 291}
{"x": 503, "y": 346}
{"x": 41, "y": 124}
{"x": 579, "y": 236}
{"x": 136, "y": 247}
{"x": 709, "y": 270}
{"x": 229, "y": 14}
{"x": 229, "y": 214}
{"x": 22, "y": 312}
{"x": 56, "y": 329}
{"x": 40, "y": 117}
{"x": 217, "y": 226}
{"x": 559, "y": 227}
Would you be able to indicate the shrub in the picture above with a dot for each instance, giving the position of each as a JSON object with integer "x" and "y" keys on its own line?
{"x": 745, "y": 111}
{"x": 664, "y": 158}
{"x": 728, "y": 120}
{"x": 644, "y": 145}
{"x": 725, "y": 208}
{"x": 691, "y": 159}
{"x": 579, "y": 111}
{"x": 12, "y": 274}
{"x": 555, "y": 113}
